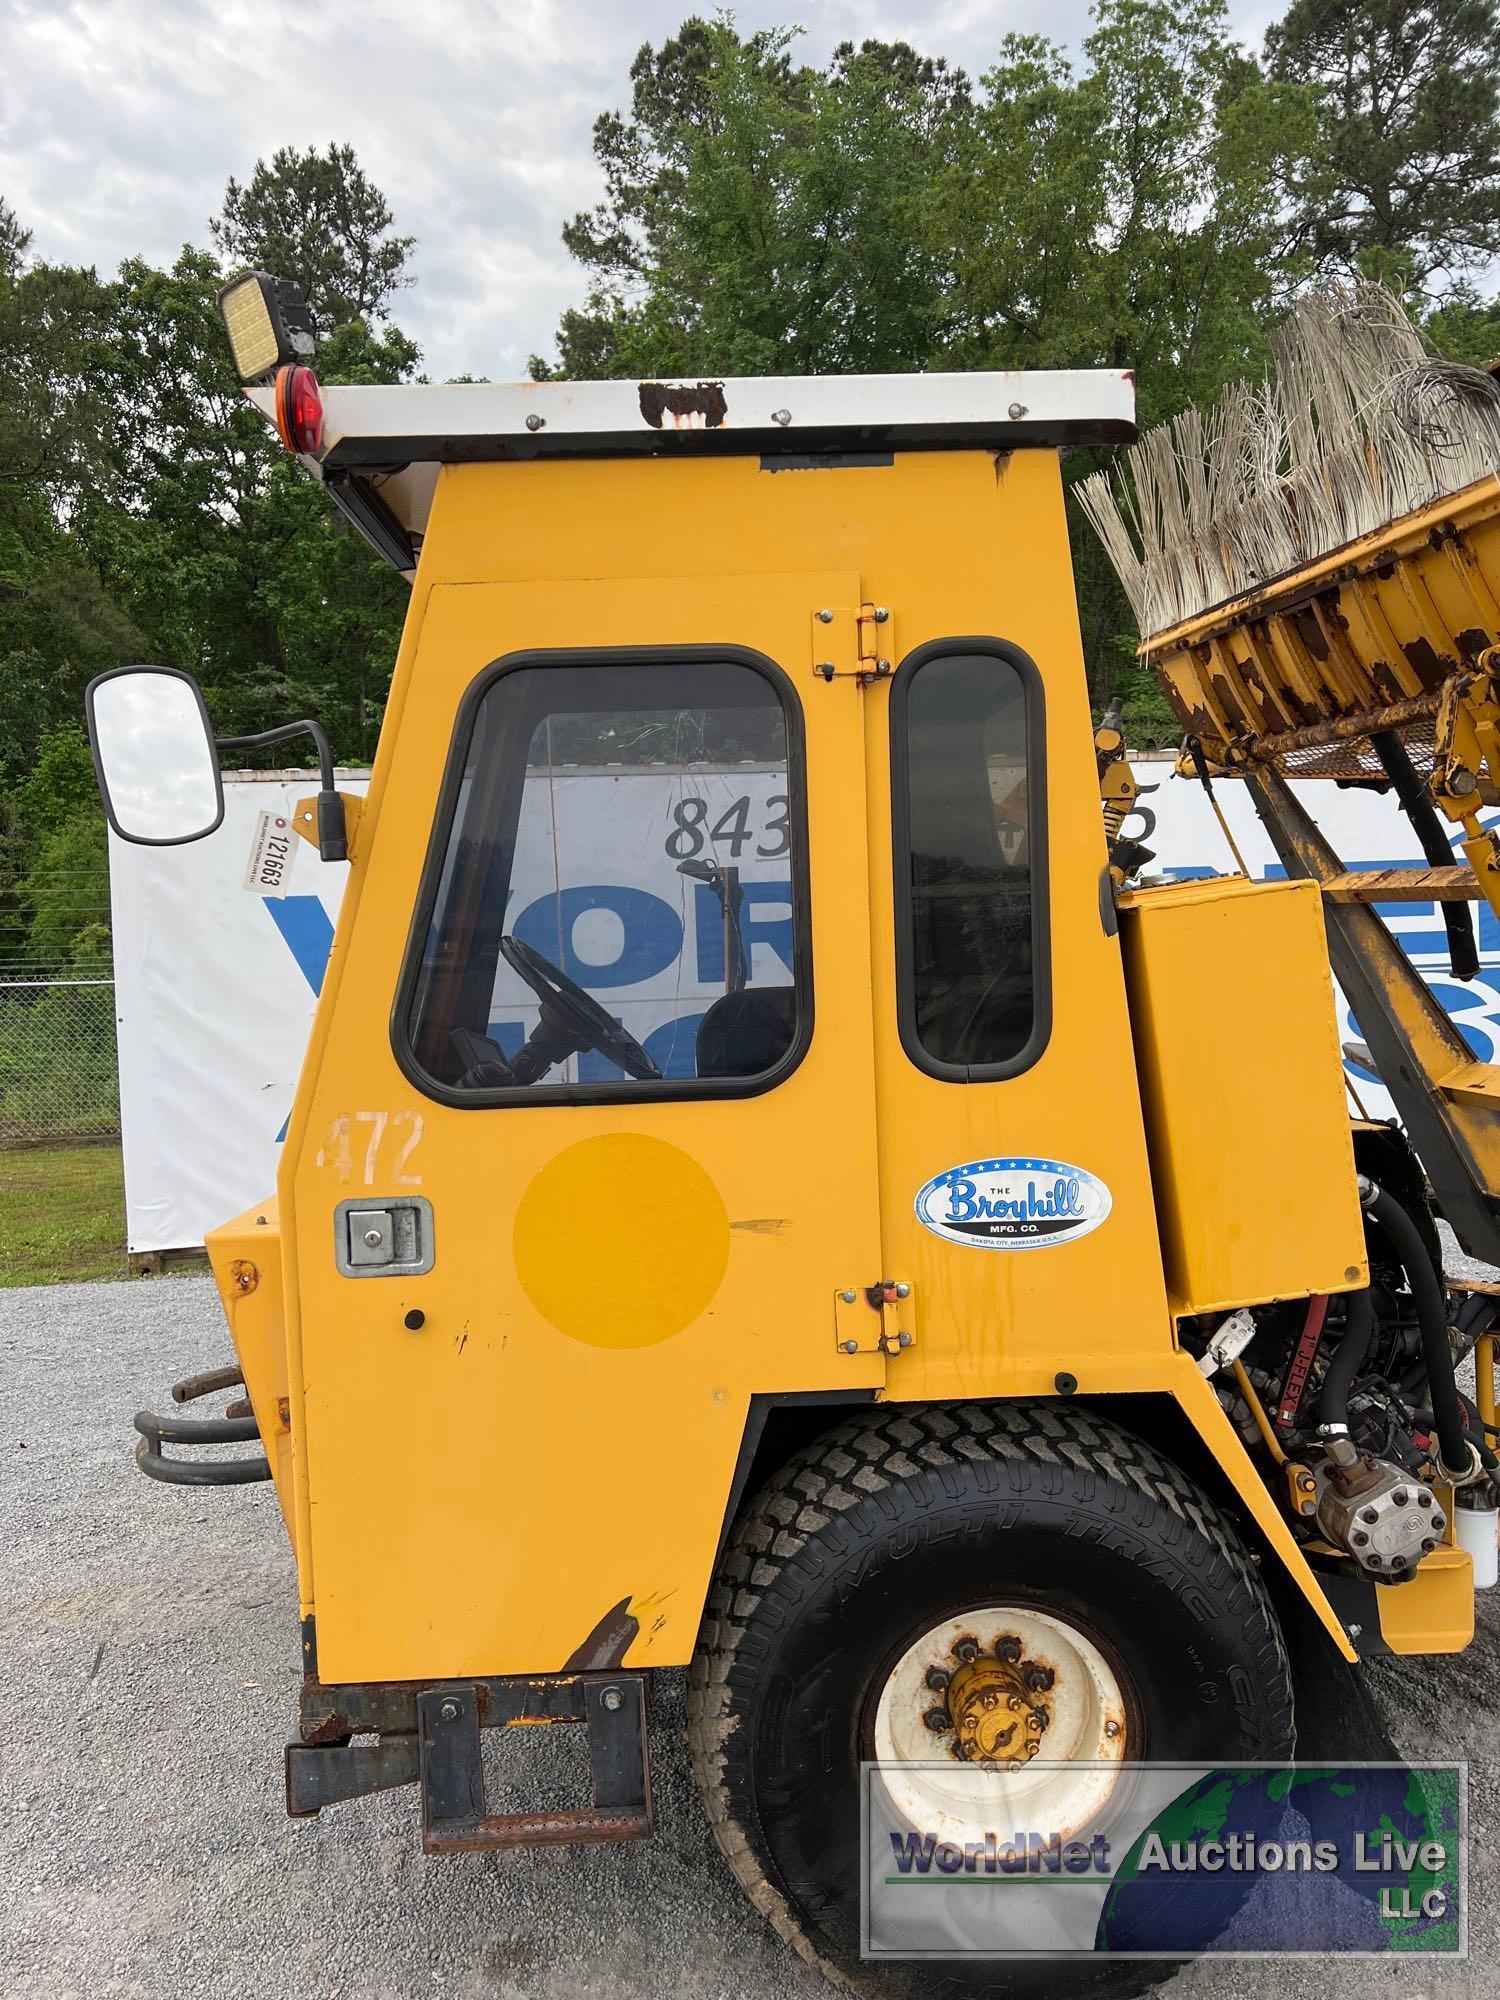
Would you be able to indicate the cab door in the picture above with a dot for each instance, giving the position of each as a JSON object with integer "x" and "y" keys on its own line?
{"x": 586, "y": 1147}
{"x": 1016, "y": 1185}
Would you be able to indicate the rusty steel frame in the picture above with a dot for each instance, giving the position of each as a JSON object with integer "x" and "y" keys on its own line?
{"x": 1343, "y": 728}
{"x": 429, "y": 1734}
{"x": 1417, "y": 1051}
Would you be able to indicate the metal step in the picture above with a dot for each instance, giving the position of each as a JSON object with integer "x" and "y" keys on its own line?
{"x": 1404, "y": 885}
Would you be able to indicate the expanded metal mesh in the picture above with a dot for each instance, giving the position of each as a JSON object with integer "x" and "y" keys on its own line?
{"x": 59, "y": 1077}
{"x": 1355, "y": 757}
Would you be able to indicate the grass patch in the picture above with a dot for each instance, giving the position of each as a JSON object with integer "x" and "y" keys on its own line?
{"x": 62, "y": 1214}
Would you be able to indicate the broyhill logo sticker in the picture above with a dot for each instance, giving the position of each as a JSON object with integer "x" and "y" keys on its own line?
{"x": 1013, "y": 1204}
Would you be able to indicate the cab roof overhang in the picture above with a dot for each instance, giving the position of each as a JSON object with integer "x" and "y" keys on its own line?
{"x": 382, "y": 446}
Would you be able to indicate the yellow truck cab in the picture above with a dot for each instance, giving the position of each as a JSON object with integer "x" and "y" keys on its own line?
{"x": 827, "y": 1258}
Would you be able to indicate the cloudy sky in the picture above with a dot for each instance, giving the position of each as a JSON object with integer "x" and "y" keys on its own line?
{"x": 120, "y": 121}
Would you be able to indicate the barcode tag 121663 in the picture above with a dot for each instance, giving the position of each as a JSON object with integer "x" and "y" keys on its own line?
{"x": 272, "y": 852}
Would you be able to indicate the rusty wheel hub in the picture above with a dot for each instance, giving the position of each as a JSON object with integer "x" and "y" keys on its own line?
{"x": 1006, "y": 1695}
{"x": 996, "y": 1704}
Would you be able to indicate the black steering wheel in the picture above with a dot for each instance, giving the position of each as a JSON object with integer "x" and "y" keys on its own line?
{"x": 572, "y": 1019}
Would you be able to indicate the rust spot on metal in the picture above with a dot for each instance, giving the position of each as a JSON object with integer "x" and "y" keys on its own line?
{"x": 583, "y": 1824}
{"x": 194, "y": 1386}
{"x": 1310, "y": 632}
{"x": 608, "y": 1643}
{"x": 244, "y": 1275}
{"x": 1228, "y": 700}
{"x": 764, "y": 1225}
{"x": 1429, "y": 663}
{"x": 331, "y": 1713}
{"x": 684, "y": 406}
{"x": 1344, "y": 728}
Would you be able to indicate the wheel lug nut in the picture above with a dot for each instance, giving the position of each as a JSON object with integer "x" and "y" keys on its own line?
{"x": 937, "y": 1679}
{"x": 937, "y": 1720}
{"x": 967, "y": 1651}
{"x": 1039, "y": 1679}
{"x": 1008, "y": 1649}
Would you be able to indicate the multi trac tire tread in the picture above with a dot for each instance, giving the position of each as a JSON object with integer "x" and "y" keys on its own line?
{"x": 881, "y": 1486}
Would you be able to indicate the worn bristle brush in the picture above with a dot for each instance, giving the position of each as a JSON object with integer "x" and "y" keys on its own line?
{"x": 1355, "y": 426}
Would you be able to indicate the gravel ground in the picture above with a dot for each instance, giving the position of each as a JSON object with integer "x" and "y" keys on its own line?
{"x": 144, "y": 1848}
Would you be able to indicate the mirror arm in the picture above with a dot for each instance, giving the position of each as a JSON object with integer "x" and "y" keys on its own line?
{"x": 333, "y": 838}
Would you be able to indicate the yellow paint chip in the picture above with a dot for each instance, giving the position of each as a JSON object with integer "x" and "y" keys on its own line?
{"x": 621, "y": 1241}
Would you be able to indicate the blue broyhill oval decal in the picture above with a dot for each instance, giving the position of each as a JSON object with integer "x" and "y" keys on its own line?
{"x": 1013, "y": 1204}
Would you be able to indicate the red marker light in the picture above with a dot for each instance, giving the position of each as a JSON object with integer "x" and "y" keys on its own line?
{"x": 299, "y": 409}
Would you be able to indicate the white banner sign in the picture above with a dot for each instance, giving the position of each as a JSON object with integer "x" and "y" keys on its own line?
{"x": 214, "y": 994}
{"x": 216, "y": 981}
{"x": 1367, "y": 830}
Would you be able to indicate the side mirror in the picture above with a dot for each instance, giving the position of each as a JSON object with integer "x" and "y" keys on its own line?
{"x": 154, "y": 755}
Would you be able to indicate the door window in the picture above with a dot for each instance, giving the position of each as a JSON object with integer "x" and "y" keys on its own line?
{"x": 968, "y": 813}
{"x": 618, "y": 905}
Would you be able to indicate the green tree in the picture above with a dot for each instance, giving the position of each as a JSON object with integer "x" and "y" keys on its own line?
{"x": 227, "y": 555}
{"x": 1130, "y": 213}
{"x": 63, "y": 885}
{"x": 1464, "y": 328}
{"x": 58, "y": 624}
{"x": 148, "y": 512}
{"x": 1406, "y": 184}
{"x": 15, "y": 240}
{"x": 880, "y": 213}
{"x": 319, "y": 219}
{"x": 760, "y": 215}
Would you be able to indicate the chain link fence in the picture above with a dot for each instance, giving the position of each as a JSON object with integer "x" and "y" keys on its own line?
{"x": 59, "y": 1078}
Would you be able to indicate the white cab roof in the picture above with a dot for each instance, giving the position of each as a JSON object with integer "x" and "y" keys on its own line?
{"x": 392, "y": 440}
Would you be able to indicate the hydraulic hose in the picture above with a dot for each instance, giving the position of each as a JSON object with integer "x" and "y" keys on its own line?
{"x": 1432, "y": 1321}
{"x": 1472, "y": 1310}
{"x": 1422, "y": 814}
{"x": 1479, "y": 1436}
{"x": 1474, "y": 1322}
{"x": 1348, "y": 1359}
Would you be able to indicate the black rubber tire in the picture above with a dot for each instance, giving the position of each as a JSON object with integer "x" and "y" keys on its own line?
{"x": 902, "y": 1517}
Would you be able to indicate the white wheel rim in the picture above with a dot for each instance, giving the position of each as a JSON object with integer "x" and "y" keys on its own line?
{"x": 1076, "y": 1768}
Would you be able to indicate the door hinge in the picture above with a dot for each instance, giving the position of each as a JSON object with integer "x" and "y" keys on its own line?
{"x": 874, "y": 1319}
{"x": 852, "y": 645}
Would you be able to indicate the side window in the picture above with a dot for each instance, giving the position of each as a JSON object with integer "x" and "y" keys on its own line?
{"x": 968, "y": 814}
{"x": 620, "y": 902}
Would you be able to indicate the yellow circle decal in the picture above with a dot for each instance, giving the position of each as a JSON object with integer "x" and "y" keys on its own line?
{"x": 621, "y": 1241}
